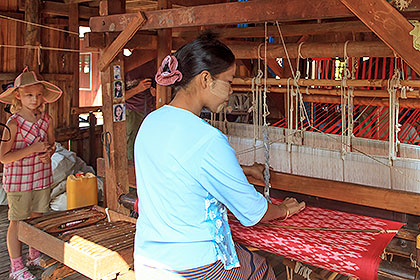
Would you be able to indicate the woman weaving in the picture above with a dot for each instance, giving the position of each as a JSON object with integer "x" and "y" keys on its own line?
{"x": 188, "y": 175}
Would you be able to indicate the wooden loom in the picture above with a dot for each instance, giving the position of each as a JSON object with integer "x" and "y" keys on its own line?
{"x": 97, "y": 243}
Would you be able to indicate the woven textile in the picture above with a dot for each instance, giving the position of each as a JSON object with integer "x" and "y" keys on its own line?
{"x": 354, "y": 254}
{"x": 253, "y": 267}
{"x": 28, "y": 173}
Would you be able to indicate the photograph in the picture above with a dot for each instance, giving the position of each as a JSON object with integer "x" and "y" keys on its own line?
{"x": 118, "y": 89}
{"x": 117, "y": 72}
{"x": 119, "y": 112}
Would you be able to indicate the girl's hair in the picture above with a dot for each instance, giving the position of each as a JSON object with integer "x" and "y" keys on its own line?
{"x": 204, "y": 53}
{"x": 17, "y": 104}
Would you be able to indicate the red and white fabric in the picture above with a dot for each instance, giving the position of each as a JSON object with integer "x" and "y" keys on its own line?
{"x": 354, "y": 254}
{"x": 28, "y": 173}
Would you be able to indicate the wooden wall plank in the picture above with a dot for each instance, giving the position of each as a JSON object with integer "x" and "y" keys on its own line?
{"x": 32, "y": 34}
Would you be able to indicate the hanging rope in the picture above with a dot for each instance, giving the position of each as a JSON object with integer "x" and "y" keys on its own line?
{"x": 346, "y": 107}
{"x": 393, "y": 85}
{"x": 43, "y": 48}
{"x": 39, "y": 25}
{"x": 265, "y": 125}
{"x": 255, "y": 108}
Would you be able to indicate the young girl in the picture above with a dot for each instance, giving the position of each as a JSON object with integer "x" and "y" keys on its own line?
{"x": 27, "y": 172}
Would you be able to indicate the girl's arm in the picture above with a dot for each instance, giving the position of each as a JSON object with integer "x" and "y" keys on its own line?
{"x": 7, "y": 156}
{"x": 51, "y": 136}
{"x": 45, "y": 157}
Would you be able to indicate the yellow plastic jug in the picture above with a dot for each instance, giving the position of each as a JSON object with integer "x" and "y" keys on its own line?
{"x": 82, "y": 190}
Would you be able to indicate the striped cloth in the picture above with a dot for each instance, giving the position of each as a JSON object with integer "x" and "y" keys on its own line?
{"x": 253, "y": 267}
{"x": 28, "y": 173}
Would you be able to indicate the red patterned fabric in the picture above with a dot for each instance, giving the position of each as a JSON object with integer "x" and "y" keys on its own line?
{"x": 354, "y": 254}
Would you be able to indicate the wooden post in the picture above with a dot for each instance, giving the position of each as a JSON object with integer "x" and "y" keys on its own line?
{"x": 116, "y": 176}
{"x": 92, "y": 140}
{"x": 32, "y": 33}
{"x": 164, "y": 48}
{"x": 417, "y": 256}
{"x": 75, "y": 42}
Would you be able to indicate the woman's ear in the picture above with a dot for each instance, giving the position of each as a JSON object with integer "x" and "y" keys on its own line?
{"x": 205, "y": 79}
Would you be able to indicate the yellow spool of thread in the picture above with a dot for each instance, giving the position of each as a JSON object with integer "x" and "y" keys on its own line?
{"x": 82, "y": 190}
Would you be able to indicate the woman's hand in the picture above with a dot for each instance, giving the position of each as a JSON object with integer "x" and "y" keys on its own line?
{"x": 288, "y": 208}
{"x": 292, "y": 206}
{"x": 144, "y": 84}
{"x": 256, "y": 170}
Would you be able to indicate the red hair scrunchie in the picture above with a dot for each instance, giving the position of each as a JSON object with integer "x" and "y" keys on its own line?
{"x": 171, "y": 75}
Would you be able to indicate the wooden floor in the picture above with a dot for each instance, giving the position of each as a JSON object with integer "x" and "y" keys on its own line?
{"x": 4, "y": 255}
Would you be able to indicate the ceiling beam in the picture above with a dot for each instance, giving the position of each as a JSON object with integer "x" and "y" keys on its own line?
{"x": 249, "y": 50}
{"x": 286, "y": 30}
{"x": 389, "y": 25}
{"x": 140, "y": 41}
{"x": 196, "y": 2}
{"x": 62, "y": 9}
{"x": 118, "y": 44}
{"x": 77, "y": 1}
{"x": 227, "y": 13}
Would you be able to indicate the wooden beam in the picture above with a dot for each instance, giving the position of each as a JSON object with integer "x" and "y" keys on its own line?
{"x": 368, "y": 101}
{"x": 378, "y": 93}
{"x": 116, "y": 177}
{"x": 138, "y": 41}
{"x": 109, "y": 7}
{"x": 334, "y": 83}
{"x": 77, "y": 1}
{"x": 62, "y": 9}
{"x": 32, "y": 34}
{"x": 118, "y": 44}
{"x": 397, "y": 201}
{"x": 361, "y": 97}
{"x": 249, "y": 50}
{"x": 227, "y": 13}
{"x": 389, "y": 25}
{"x": 286, "y": 30}
{"x": 75, "y": 44}
{"x": 195, "y": 2}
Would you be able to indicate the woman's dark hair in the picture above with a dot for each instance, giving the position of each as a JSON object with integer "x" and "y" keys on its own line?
{"x": 204, "y": 53}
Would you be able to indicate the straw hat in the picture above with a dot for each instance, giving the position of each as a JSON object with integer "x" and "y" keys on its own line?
{"x": 27, "y": 78}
